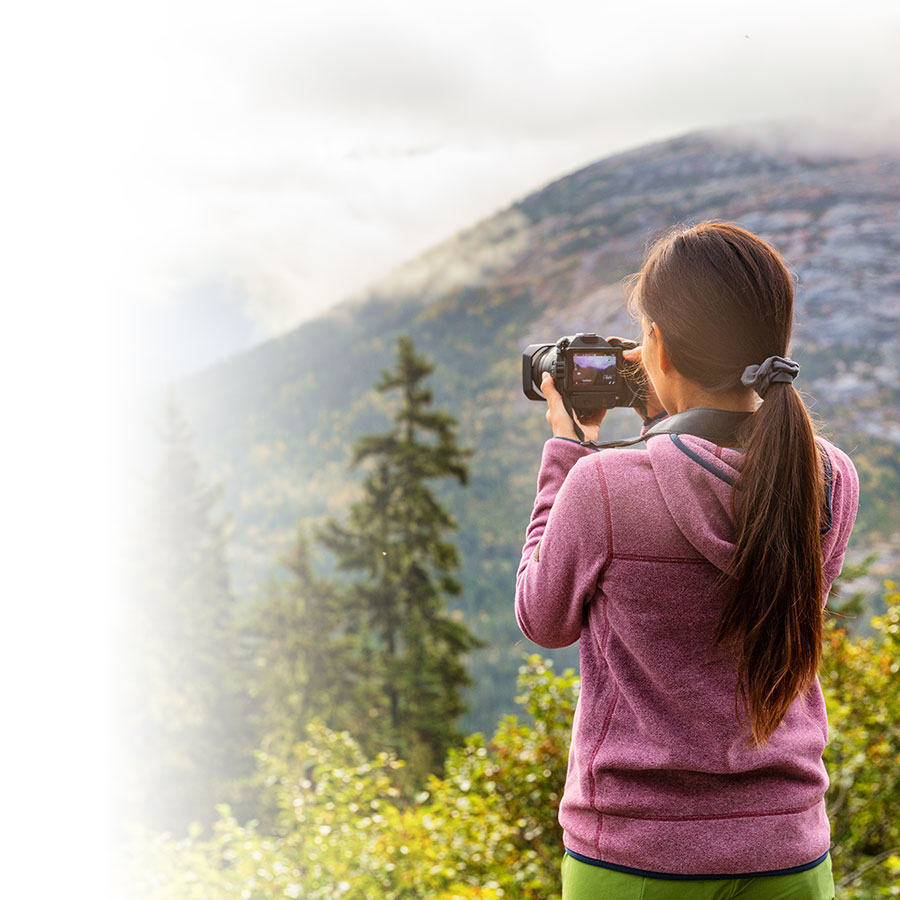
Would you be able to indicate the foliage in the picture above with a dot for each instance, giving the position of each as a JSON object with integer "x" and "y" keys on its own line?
{"x": 487, "y": 829}
{"x": 860, "y": 679}
{"x": 849, "y": 608}
{"x": 878, "y": 465}
{"x": 307, "y": 664}
{"x": 499, "y": 801}
{"x": 181, "y": 704}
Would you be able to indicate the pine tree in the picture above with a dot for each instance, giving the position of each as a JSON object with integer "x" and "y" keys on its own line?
{"x": 394, "y": 543}
{"x": 183, "y": 712}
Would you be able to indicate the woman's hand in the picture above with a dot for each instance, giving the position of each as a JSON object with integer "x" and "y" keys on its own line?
{"x": 559, "y": 419}
{"x": 652, "y": 405}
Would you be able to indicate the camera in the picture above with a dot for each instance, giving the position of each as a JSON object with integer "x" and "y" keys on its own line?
{"x": 589, "y": 369}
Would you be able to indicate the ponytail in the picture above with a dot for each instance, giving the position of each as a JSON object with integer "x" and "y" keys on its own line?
{"x": 723, "y": 301}
{"x": 773, "y": 614}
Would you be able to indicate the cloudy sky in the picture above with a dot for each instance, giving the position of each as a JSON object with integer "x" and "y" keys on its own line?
{"x": 280, "y": 156}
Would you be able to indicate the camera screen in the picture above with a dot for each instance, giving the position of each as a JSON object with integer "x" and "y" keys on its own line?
{"x": 594, "y": 370}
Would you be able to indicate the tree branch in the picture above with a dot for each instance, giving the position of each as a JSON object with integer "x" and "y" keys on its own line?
{"x": 847, "y": 880}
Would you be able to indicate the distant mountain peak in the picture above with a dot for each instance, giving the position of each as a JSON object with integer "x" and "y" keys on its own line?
{"x": 699, "y": 158}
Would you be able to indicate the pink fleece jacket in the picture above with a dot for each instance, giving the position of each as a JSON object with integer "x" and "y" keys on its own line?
{"x": 622, "y": 552}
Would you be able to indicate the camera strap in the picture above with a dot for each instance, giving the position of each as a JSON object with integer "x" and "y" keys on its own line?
{"x": 567, "y": 403}
{"x": 719, "y": 426}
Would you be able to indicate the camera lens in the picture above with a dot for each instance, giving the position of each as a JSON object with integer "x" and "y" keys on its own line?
{"x": 544, "y": 361}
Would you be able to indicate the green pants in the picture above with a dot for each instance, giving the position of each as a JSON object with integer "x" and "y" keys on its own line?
{"x": 581, "y": 881}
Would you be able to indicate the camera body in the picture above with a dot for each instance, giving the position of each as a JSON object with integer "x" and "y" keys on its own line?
{"x": 590, "y": 370}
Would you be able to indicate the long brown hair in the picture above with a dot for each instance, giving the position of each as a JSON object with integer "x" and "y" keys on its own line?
{"x": 723, "y": 300}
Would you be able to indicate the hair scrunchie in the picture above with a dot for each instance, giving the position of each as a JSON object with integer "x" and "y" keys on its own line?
{"x": 775, "y": 370}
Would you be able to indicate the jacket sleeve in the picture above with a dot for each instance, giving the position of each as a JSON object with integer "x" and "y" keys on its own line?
{"x": 566, "y": 545}
{"x": 843, "y": 500}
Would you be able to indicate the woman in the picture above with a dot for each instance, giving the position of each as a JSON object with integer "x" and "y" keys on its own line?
{"x": 695, "y": 574}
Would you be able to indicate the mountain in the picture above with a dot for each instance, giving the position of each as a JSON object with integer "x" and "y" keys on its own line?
{"x": 275, "y": 424}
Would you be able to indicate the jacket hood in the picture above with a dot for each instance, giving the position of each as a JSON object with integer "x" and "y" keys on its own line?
{"x": 696, "y": 480}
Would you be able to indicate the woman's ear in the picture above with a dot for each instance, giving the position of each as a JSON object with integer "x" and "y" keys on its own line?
{"x": 663, "y": 360}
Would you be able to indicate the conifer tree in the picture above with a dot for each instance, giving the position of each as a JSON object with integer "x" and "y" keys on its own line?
{"x": 394, "y": 542}
{"x": 183, "y": 714}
